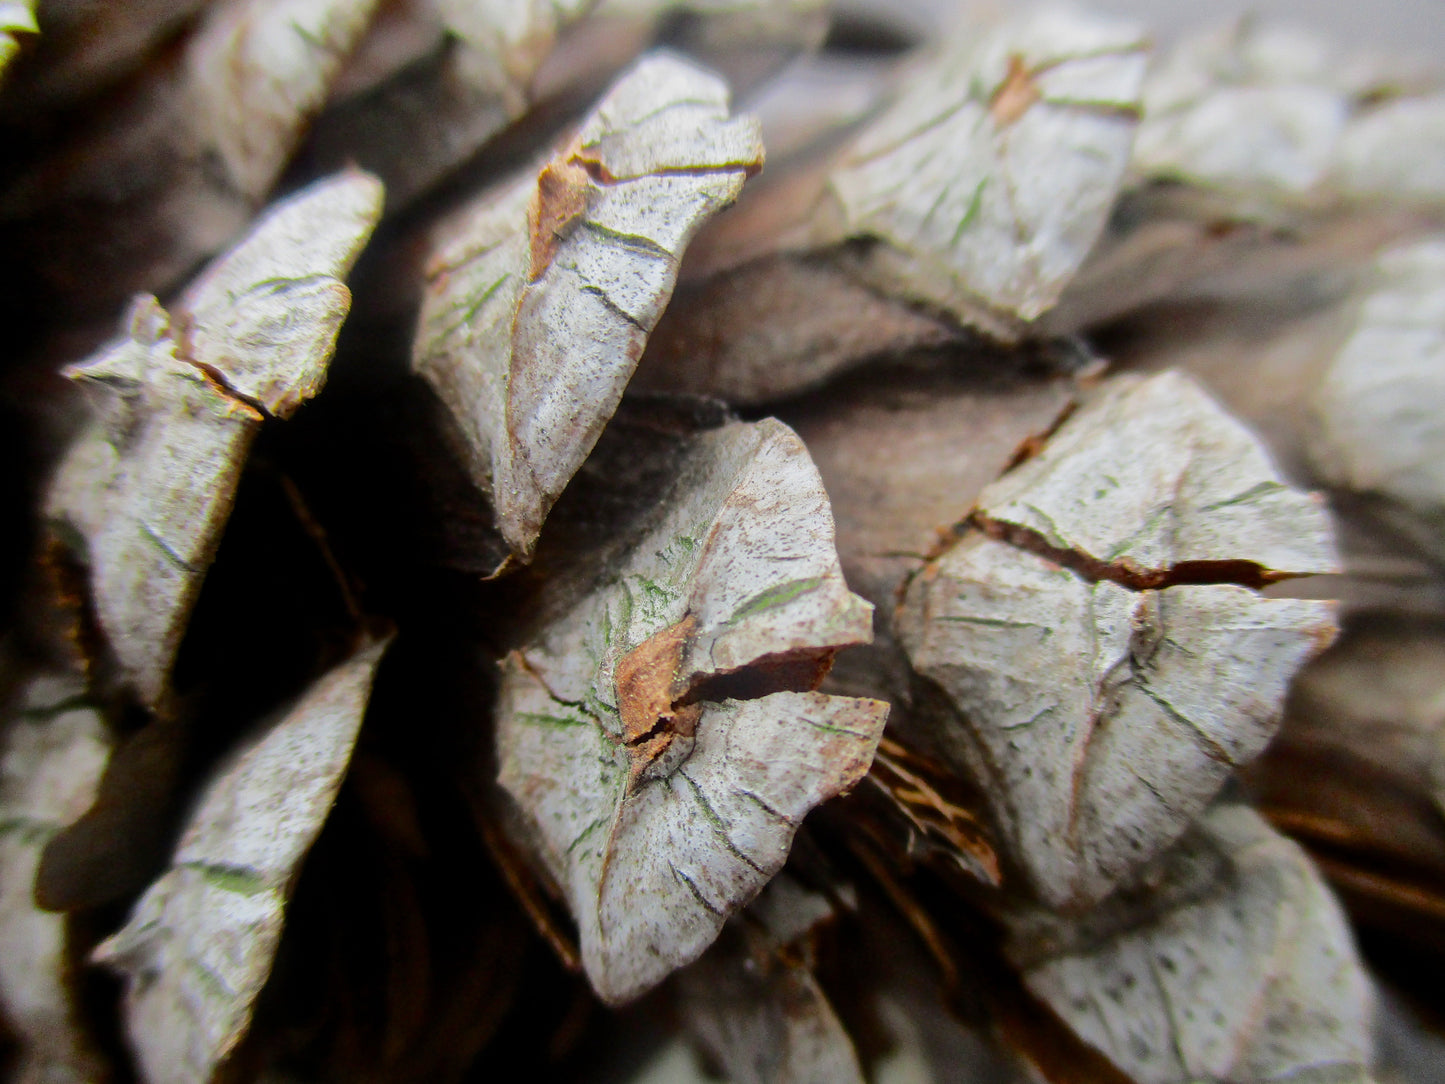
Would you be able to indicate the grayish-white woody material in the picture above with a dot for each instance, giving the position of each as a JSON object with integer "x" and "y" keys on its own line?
{"x": 753, "y": 1003}
{"x": 1263, "y": 342}
{"x": 1246, "y": 106}
{"x": 1153, "y": 474}
{"x": 1103, "y": 693}
{"x": 16, "y": 17}
{"x": 744, "y": 41}
{"x": 904, "y": 455}
{"x": 906, "y": 461}
{"x": 145, "y": 491}
{"x": 1266, "y": 156}
{"x": 198, "y": 946}
{"x": 180, "y": 179}
{"x": 1395, "y": 152}
{"x": 541, "y": 298}
{"x": 55, "y": 750}
{"x": 657, "y": 809}
{"x": 969, "y": 203}
{"x": 1380, "y": 409}
{"x": 509, "y": 40}
{"x": 258, "y": 71}
{"x": 1271, "y": 113}
{"x": 476, "y": 67}
{"x": 430, "y": 116}
{"x": 989, "y": 180}
{"x": 264, "y": 318}
{"x": 1231, "y": 962}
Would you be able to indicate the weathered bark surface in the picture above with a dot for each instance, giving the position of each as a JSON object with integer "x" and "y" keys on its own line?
{"x": 177, "y": 167}
{"x": 974, "y": 197}
{"x": 657, "y": 802}
{"x": 1231, "y": 962}
{"x": 198, "y": 946}
{"x": 1099, "y": 633}
{"x": 754, "y": 1004}
{"x": 144, "y": 494}
{"x": 540, "y": 299}
{"x": 55, "y": 750}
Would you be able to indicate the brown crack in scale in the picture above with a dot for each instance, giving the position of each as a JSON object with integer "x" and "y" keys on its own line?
{"x": 1034, "y": 444}
{"x": 656, "y": 708}
{"x": 648, "y": 696}
{"x": 1127, "y": 573}
{"x": 213, "y": 376}
{"x": 559, "y": 202}
{"x": 62, "y": 616}
{"x": 789, "y": 671}
{"x": 1015, "y": 95}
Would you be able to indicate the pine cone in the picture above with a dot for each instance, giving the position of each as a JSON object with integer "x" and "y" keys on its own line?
{"x": 527, "y": 588}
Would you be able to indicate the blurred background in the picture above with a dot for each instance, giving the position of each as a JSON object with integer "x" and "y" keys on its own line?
{"x": 1414, "y": 25}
